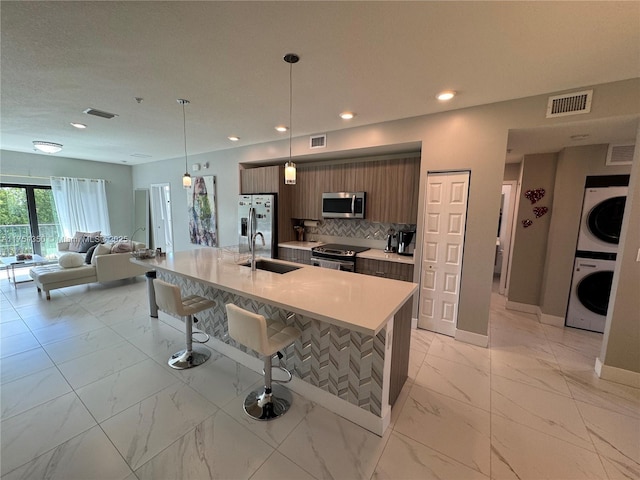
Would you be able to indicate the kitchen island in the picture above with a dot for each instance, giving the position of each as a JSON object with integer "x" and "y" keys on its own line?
{"x": 352, "y": 356}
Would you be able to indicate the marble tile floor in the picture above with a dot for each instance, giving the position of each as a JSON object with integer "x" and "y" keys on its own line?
{"x": 86, "y": 393}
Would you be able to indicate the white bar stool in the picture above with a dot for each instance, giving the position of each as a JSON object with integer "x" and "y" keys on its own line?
{"x": 267, "y": 338}
{"x": 168, "y": 299}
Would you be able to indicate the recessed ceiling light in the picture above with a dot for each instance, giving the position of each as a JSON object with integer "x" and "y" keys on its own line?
{"x": 446, "y": 95}
{"x": 233, "y": 138}
{"x": 81, "y": 126}
{"x": 580, "y": 136}
{"x": 347, "y": 115}
{"x": 281, "y": 128}
{"x": 47, "y": 147}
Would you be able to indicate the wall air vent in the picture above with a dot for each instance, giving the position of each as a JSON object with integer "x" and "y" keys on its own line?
{"x": 99, "y": 113}
{"x": 620, "y": 154}
{"x": 318, "y": 141}
{"x": 569, "y": 104}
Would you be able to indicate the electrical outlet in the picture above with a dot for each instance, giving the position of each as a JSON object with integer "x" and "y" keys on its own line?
{"x": 638, "y": 256}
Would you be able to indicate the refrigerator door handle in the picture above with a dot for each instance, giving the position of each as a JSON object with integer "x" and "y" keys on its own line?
{"x": 252, "y": 226}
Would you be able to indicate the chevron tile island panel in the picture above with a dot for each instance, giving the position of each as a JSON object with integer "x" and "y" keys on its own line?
{"x": 344, "y": 363}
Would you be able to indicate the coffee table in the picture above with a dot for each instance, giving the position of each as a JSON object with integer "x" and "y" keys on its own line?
{"x": 12, "y": 263}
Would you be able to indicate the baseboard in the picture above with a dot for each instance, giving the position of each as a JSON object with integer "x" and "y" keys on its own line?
{"x": 618, "y": 375}
{"x": 472, "y": 338}
{"x": 547, "y": 319}
{"x": 414, "y": 323}
{"x": 521, "y": 307}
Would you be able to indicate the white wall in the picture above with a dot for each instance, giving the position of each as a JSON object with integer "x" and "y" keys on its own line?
{"x": 223, "y": 166}
{"x": 119, "y": 183}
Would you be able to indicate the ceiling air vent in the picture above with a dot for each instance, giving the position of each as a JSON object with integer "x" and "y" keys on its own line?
{"x": 620, "y": 154}
{"x": 99, "y": 113}
{"x": 569, "y": 104}
{"x": 318, "y": 141}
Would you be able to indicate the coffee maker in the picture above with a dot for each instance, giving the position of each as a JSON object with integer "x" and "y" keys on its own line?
{"x": 406, "y": 245}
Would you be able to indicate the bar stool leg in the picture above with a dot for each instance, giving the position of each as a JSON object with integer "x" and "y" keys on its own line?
{"x": 263, "y": 404}
{"x": 189, "y": 357}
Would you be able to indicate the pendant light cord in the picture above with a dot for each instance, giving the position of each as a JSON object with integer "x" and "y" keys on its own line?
{"x": 290, "y": 105}
{"x": 184, "y": 131}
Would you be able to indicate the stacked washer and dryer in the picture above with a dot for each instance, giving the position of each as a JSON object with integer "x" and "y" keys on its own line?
{"x": 600, "y": 224}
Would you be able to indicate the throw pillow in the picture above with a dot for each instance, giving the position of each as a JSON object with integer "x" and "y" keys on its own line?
{"x": 71, "y": 260}
{"x": 89, "y": 255}
{"x": 76, "y": 241}
{"x": 101, "y": 249}
{"x": 86, "y": 244}
{"x": 122, "y": 247}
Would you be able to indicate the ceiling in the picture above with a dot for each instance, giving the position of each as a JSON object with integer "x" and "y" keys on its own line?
{"x": 382, "y": 60}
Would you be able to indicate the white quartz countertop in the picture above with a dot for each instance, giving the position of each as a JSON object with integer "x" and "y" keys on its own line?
{"x": 300, "y": 245}
{"x": 358, "y": 302}
{"x": 373, "y": 253}
{"x": 376, "y": 254}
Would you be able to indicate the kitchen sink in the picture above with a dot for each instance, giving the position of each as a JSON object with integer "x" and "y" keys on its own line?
{"x": 272, "y": 266}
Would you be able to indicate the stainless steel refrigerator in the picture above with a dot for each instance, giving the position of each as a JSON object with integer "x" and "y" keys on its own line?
{"x": 259, "y": 210}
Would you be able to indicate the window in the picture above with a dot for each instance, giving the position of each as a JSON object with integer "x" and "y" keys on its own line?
{"x": 28, "y": 221}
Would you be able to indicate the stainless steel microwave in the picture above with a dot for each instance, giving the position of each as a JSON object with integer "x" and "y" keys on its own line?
{"x": 343, "y": 205}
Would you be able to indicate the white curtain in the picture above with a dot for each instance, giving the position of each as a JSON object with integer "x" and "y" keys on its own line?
{"x": 81, "y": 204}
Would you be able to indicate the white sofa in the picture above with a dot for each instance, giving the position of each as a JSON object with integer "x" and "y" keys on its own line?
{"x": 105, "y": 268}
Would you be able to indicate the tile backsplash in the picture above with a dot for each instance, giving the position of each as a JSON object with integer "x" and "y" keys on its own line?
{"x": 363, "y": 230}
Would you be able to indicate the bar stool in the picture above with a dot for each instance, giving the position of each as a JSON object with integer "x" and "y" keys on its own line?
{"x": 266, "y": 338}
{"x": 168, "y": 299}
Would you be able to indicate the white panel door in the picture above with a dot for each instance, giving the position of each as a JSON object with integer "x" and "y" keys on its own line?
{"x": 444, "y": 227}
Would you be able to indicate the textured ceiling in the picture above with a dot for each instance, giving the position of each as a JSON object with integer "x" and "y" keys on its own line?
{"x": 383, "y": 60}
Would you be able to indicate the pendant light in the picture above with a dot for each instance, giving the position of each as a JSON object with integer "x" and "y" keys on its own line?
{"x": 290, "y": 167}
{"x": 186, "y": 178}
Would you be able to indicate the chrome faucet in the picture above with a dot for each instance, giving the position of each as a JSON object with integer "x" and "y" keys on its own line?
{"x": 252, "y": 237}
{"x": 253, "y": 249}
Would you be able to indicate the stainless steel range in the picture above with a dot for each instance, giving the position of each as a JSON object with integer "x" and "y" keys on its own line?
{"x": 336, "y": 256}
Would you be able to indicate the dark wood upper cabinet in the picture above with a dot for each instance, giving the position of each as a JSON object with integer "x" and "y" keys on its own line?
{"x": 391, "y": 186}
{"x": 260, "y": 180}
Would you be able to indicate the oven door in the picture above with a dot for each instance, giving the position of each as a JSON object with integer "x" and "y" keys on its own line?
{"x": 333, "y": 264}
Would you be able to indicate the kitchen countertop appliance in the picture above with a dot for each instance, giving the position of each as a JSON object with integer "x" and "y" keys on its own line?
{"x": 257, "y": 213}
{"x": 336, "y": 256}
{"x": 391, "y": 235}
{"x": 406, "y": 243}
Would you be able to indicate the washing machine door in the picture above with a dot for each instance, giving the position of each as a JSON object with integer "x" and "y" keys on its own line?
{"x": 593, "y": 291}
{"x": 605, "y": 219}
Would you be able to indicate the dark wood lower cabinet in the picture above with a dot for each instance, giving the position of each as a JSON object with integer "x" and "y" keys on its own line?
{"x": 380, "y": 268}
{"x": 294, "y": 255}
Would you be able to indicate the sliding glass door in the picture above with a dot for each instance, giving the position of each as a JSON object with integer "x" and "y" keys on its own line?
{"x": 28, "y": 221}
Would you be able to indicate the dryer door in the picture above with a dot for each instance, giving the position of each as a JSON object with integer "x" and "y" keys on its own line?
{"x": 605, "y": 219}
{"x": 594, "y": 289}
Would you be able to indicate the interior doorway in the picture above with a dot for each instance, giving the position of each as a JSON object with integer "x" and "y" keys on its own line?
{"x": 504, "y": 235}
{"x": 161, "y": 219}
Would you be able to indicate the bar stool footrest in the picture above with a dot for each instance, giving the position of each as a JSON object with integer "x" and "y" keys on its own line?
{"x": 194, "y": 339}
